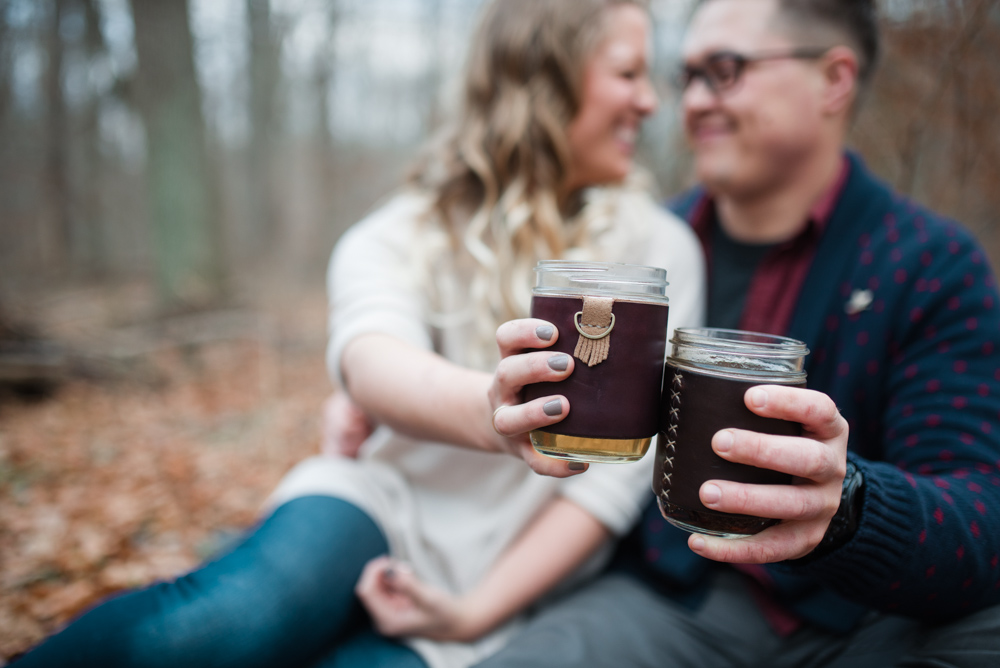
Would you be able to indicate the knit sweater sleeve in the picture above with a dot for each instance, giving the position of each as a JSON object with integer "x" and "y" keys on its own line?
{"x": 928, "y": 544}
{"x": 372, "y": 281}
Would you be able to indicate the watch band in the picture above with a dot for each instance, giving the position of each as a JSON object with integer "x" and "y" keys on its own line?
{"x": 845, "y": 522}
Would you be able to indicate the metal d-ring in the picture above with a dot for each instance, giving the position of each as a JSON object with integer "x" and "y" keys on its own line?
{"x": 576, "y": 321}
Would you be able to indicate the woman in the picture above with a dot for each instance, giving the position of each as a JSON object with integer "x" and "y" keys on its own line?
{"x": 554, "y": 94}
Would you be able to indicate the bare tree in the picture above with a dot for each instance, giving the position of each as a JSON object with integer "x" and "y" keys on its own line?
{"x": 94, "y": 241}
{"x": 186, "y": 230}
{"x": 323, "y": 82}
{"x": 264, "y": 75}
{"x": 57, "y": 180}
{"x": 6, "y": 63}
{"x": 931, "y": 123}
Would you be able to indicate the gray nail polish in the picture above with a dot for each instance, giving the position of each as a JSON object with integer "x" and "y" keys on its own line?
{"x": 559, "y": 362}
{"x": 577, "y": 466}
{"x": 544, "y": 332}
{"x": 553, "y": 407}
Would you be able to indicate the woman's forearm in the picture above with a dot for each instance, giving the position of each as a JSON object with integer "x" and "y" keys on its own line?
{"x": 554, "y": 545}
{"x": 419, "y": 393}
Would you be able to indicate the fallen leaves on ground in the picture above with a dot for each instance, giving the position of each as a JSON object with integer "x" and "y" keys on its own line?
{"x": 115, "y": 484}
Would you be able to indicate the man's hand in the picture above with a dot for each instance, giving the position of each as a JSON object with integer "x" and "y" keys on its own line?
{"x": 512, "y": 420}
{"x": 817, "y": 459}
{"x": 345, "y": 426}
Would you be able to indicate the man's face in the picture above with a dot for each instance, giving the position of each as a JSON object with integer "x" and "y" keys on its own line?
{"x": 754, "y": 136}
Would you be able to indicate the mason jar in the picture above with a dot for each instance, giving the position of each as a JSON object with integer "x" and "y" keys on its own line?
{"x": 612, "y": 318}
{"x": 707, "y": 375}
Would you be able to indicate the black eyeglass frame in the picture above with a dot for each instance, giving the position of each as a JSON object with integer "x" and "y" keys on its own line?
{"x": 688, "y": 73}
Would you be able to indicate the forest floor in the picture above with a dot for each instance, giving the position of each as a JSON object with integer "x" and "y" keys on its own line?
{"x": 160, "y": 460}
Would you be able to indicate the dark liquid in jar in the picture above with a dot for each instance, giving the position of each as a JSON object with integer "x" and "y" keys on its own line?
{"x": 695, "y": 407}
{"x": 615, "y": 405}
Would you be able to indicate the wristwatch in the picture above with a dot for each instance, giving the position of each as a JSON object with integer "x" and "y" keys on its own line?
{"x": 845, "y": 523}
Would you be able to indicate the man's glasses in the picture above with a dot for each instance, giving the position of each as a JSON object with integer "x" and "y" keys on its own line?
{"x": 723, "y": 70}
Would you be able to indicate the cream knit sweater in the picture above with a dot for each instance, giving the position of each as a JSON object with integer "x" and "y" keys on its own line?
{"x": 448, "y": 511}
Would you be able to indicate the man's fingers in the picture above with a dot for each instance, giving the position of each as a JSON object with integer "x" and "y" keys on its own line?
{"x": 789, "y": 540}
{"x": 797, "y": 456}
{"x": 516, "y": 336}
{"x": 814, "y": 410}
{"x": 782, "y": 502}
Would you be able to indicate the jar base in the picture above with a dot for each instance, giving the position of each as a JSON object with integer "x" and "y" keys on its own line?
{"x": 595, "y": 450}
{"x": 711, "y": 523}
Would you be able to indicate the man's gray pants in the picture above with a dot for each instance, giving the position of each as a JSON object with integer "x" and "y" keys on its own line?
{"x": 618, "y": 622}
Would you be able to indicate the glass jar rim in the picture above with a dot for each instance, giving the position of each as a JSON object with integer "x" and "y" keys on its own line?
{"x": 756, "y": 344}
{"x": 575, "y": 277}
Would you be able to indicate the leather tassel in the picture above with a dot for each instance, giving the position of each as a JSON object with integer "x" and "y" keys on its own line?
{"x": 594, "y": 323}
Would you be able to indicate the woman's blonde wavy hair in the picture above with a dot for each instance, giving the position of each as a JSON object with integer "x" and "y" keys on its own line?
{"x": 495, "y": 180}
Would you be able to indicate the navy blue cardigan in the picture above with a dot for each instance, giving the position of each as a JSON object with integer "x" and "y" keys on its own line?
{"x": 917, "y": 375}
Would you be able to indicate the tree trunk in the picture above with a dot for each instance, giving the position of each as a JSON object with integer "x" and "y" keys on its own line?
{"x": 6, "y": 65}
{"x": 95, "y": 240}
{"x": 186, "y": 229}
{"x": 264, "y": 72}
{"x": 323, "y": 82}
{"x": 57, "y": 183}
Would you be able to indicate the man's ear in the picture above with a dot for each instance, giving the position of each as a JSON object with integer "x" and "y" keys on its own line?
{"x": 840, "y": 70}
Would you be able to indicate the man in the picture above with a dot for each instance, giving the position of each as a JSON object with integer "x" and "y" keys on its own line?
{"x": 889, "y": 548}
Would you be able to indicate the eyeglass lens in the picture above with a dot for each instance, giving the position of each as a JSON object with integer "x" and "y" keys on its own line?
{"x": 720, "y": 72}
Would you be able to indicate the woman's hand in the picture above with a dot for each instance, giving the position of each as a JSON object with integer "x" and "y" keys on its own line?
{"x": 817, "y": 459}
{"x": 345, "y": 426}
{"x": 512, "y": 420}
{"x": 400, "y": 604}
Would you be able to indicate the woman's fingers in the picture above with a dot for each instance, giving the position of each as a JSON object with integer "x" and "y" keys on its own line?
{"x": 371, "y": 576}
{"x": 550, "y": 466}
{"x": 516, "y": 371}
{"x": 513, "y": 420}
{"x": 516, "y": 336}
{"x": 514, "y": 423}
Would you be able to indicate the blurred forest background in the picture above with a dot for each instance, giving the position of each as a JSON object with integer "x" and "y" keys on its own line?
{"x": 173, "y": 176}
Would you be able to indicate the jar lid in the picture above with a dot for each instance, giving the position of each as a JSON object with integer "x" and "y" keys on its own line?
{"x": 612, "y": 279}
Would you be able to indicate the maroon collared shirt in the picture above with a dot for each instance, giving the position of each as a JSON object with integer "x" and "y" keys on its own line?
{"x": 777, "y": 281}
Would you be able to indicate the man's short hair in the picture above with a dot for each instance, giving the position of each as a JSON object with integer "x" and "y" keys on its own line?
{"x": 854, "y": 20}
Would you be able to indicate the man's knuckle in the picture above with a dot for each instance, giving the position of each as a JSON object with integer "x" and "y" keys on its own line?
{"x": 804, "y": 507}
{"x": 754, "y": 445}
{"x": 816, "y": 466}
{"x": 831, "y": 507}
{"x": 744, "y": 498}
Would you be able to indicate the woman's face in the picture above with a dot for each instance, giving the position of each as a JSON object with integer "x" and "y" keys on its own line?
{"x": 617, "y": 95}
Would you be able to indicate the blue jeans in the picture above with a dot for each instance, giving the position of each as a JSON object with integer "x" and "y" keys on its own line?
{"x": 283, "y": 597}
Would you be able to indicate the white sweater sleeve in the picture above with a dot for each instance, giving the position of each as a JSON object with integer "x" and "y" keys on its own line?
{"x": 617, "y": 493}
{"x": 372, "y": 284}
